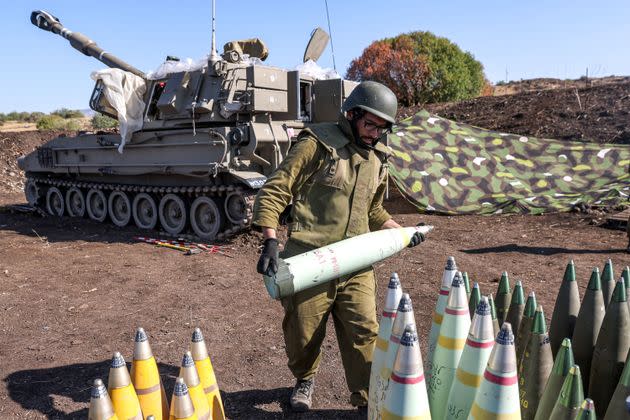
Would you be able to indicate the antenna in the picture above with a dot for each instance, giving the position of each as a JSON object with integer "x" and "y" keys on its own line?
{"x": 214, "y": 57}
{"x": 332, "y": 48}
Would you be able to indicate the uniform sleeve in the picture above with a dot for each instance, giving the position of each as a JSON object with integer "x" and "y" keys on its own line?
{"x": 377, "y": 214}
{"x": 280, "y": 187}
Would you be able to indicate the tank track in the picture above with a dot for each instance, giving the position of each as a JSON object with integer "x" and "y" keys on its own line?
{"x": 187, "y": 193}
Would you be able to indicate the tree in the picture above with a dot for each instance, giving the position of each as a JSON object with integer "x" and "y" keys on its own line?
{"x": 420, "y": 67}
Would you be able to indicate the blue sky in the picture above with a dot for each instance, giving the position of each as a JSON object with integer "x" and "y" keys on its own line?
{"x": 41, "y": 72}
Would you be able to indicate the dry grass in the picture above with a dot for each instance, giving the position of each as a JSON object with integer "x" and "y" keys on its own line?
{"x": 21, "y": 126}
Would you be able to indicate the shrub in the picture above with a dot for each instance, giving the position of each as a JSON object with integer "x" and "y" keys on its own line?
{"x": 13, "y": 116}
{"x": 34, "y": 117}
{"x": 67, "y": 113}
{"x": 420, "y": 67}
{"x": 103, "y": 122}
{"x": 50, "y": 122}
{"x": 55, "y": 122}
{"x": 72, "y": 124}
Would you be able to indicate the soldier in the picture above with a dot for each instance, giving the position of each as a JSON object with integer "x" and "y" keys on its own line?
{"x": 335, "y": 177}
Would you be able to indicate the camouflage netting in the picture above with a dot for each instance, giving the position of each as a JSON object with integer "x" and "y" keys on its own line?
{"x": 446, "y": 167}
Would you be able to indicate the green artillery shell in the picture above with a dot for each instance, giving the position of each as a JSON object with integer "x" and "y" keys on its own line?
{"x": 587, "y": 410}
{"x": 611, "y": 350}
{"x": 570, "y": 398}
{"x": 525, "y": 329}
{"x": 535, "y": 367}
{"x": 626, "y": 280}
{"x": 566, "y": 309}
{"x": 608, "y": 284}
{"x": 493, "y": 313}
{"x": 466, "y": 283}
{"x": 475, "y": 298}
{"x": 617, "y": 408}
{"x": 503, "y": 298}
{"x": 587, "y": 326}
{"x": 517, "y": 305}
{"x": 561, "y": 366}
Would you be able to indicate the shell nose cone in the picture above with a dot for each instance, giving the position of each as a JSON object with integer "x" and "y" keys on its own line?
{"x": 187, "y": 360}
{"x": 198, "y": 346}
{"x": 98, "y": 389}
{"x": 197, "y": 335}
{"x": 142, "y": 348}
{"x": 141, "y": 335}
{"x": 118, "y": 361}
{"x": 451, "y": 264}
{"x": 394, "y": 281}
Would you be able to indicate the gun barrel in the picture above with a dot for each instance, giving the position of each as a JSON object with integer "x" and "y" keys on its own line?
{"x": 50, "y": 23}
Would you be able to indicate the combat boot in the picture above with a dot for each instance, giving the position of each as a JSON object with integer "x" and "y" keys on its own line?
{"x": 302, "y": 395}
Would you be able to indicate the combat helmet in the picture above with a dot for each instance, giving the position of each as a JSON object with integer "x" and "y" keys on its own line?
{"x": 374, "y": 98}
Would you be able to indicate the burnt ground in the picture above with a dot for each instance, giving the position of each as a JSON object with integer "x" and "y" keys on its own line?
{"x": 73, "y": 291}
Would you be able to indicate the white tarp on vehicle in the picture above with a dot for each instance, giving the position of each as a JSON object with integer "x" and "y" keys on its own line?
{"x": 124, "y": 92}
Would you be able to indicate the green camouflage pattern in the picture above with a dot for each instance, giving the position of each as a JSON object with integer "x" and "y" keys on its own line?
{"x": 447, "y": 167}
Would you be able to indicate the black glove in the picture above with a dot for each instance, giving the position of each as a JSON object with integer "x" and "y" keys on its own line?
{"x": 285, "y": 217}
{"x": 268, "y": 262}
{"x": 417, "y": 237}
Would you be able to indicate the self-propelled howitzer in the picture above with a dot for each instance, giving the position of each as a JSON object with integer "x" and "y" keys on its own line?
{"x": 205, "y": 140}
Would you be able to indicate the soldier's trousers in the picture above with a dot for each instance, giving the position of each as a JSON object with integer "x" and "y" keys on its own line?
{"x": 351, "y": 300}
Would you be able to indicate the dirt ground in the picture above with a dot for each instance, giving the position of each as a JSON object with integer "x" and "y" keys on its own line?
{"x": 73, "y": 291}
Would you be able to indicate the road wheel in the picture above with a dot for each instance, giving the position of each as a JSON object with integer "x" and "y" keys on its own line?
{"x": 172, "y": 213}
{"x": 32, "y": 192}
{"x": 205, "y": 218}
{"x": 236, "y": 208}
{"x": 75, "y": 202}
{"x": 54, "y": 202}
{"x": 119, "y": 208}
{"x": 96, "y": 205}
{"x": 145, "y": 211}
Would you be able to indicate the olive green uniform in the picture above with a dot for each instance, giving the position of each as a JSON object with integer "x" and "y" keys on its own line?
{"x": 337, "y": 192}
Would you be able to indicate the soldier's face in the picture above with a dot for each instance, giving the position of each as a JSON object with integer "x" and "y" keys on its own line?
{"x": 371, "y": 127}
